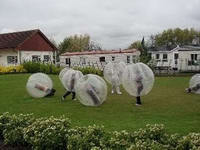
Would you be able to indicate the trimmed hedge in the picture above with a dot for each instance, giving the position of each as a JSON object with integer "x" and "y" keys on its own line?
{"x": 89, "y": 70}
{"x": 33, "y": 67}
{"x": 57, "y": 134}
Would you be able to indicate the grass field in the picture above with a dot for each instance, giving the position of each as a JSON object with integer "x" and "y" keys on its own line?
{"x": 167, "y": 103}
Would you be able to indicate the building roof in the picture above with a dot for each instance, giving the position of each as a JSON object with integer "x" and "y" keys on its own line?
{"x": 99, "y": 52}
{"x": 15, "y": 39}
{"x": 180, "y": 48}
{"x": 189, "y": 48}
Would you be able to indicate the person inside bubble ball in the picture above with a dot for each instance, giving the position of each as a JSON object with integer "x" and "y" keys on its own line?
{"x": 71, "y": 89}
{"x": 92, "y": 92}
{"x": 115, "y": 82}
{"x": 139, "y": 85}
{"x": 193, "y": 89}
{"x": 49, "y": 92}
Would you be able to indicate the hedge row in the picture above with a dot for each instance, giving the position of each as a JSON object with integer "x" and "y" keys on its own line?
{"x": 57, "y": 134}
{"x": 33, "y": 67}
{"x": 12, "y": 69}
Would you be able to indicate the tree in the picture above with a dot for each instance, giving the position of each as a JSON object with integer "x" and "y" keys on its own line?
{"x": 77, "y": 43}
{"x": 141, "y": 46}
{"x": 94, "y": 46}
{"x": 137, "y": 45}
{"x": 175, "y": 36}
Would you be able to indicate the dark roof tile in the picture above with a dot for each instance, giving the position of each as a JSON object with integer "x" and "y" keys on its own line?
{"x": 13, "y": 40}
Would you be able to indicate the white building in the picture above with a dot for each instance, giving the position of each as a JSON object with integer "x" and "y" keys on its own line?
{"x": 32, "y": 45}
{"x": 99, "y": 58}
{"x": 184, "y": 58}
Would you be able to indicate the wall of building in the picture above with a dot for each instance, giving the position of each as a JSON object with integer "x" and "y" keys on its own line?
{"x": 22, "y": 56}
{"x": 94, "y": 59}
{"x": 27, "y": 55}
{"x": 181, "y": 63}
{"x": 184, "y": 57}
{"x": 4, "y": 54}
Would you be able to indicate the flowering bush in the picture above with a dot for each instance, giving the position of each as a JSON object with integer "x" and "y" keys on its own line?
{"x": 11, "y": 69}
{"x": 56, "y": 134}
{"x": 47, "y": 133}
{"x": 11, "y": 127}
{"x": 91, "y": 137}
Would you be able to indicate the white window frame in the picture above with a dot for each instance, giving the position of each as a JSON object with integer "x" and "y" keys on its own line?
{"x": 37, "y": 58}
{"x": 47, "y": 59}
{"x": 12, "y": 59}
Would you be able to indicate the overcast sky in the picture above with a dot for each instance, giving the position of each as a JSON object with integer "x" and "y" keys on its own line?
{"x": 112, "y": 23}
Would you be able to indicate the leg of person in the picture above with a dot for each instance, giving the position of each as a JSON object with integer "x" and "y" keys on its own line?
{"x": 51, "y": 93}
{"x": 73, "y": 96}
{"x": 118, "y": 90}
{"x": 65, "y": 95}
{"x": 188, "y": 90}
{"x": 138, "y": 100}
{"x": 195, "y": 88}
{"x": 113, "y": 89}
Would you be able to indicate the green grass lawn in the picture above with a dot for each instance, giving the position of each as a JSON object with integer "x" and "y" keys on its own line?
{"x": 167, "y": 103}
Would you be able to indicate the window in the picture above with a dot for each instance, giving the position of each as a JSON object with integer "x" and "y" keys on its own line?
{"x": 128, "y": 59}
{"x": 193, "y": 60}
{"x": 67, "y": 61}
{"x": 102, "y": 59}
{"x": 47, "y": 58}
{"x": 12, "y": 59}
{"x": 36, "y": 58}
{"x": 113, "y": 58}
{"x": 176, "y": 56}
{"x": 165, "y": 58}
{"x": 157, "y": 56}
{"x": 194, "y": 57}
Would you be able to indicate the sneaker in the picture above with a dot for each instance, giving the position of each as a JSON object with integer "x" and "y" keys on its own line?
{"x": 119, "y": 93}
{"x": 74, "y": 99}
{"x": 138, "y": 104}
{"x": 188, "y": 90}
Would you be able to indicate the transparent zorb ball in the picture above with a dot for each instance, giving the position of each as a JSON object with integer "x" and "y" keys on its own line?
{"x": 38, "y": 85}
{"x": 70, "y": 79}
{"x": 195, "y": 84}
{"x": 91, "y": 90}
{"x": 62, "y": 72}
{"x": 113, "y": 72}
{"x": 138, "y": 79}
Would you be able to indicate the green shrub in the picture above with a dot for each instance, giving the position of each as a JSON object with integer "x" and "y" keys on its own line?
{"x": 91, "y": 137}
{"x": 48, "y": 133}
{"x": 13, "y": 128}
{"x": 31, "y": 67}
{"x": 189, "y": 142}
{"x": 55, "y": 134}
{"x": 89, "y": 70}
{"x": 4, "y": 119}
{"x": 120, "y": 140}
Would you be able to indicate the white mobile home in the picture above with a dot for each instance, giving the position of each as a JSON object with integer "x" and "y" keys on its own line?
{"x": 99, "y": 57}
{"x": 184, "y": 58}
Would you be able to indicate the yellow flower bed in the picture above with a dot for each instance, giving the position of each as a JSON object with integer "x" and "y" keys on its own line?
{"x": 10, "y": 69}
